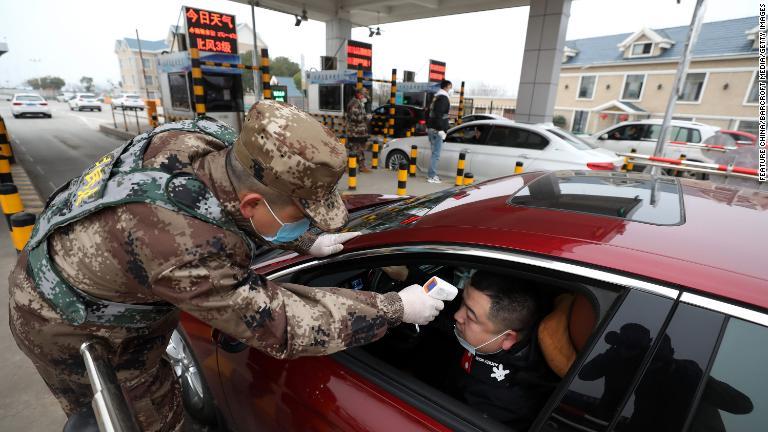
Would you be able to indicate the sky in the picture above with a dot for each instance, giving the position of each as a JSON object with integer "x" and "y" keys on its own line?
{"x": 77, "y": 37}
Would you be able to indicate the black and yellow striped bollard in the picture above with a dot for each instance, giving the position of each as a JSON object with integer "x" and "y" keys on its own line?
{"x": 198, "y": 92}
{"x": 460, "y": 169}
{"x": 266, "y": 77}
{"x": 630, "y": 164}
{"x": 402, "y": 178}
{"x": 679, "y": 173}
{"x": 21, "y": 229}
{"x": 5, "y": 142}
{"x": 375, "y": 155}
{"x": 469, "y": 178}
{"x": 518, "y": 167}
{"x": 412, "y": 160}
{"x": 5, "y": 170}
{"x": 352, "y": 174}
{"x": 10, "y": 201}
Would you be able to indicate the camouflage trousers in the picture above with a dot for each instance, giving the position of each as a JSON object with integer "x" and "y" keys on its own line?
{"x": 356, "y": 147}
{"x": 136, "y": 355}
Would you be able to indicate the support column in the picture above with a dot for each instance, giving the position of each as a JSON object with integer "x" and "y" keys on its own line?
{"x": 337, "y": 32}
{"x": 544, "y": 43}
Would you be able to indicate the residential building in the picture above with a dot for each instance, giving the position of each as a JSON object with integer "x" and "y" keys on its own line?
{"x": 134, "y": 77}
{"x": 608, "y": 79}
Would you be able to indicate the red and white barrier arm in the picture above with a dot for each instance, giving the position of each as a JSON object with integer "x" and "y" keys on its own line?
{"x": 712, "y": 147}
{"x": 684, "y": 163}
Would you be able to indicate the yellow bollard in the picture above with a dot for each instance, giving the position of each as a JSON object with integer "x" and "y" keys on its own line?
{"x": 10, "y": 201}
{"x": 352, "y": 177}
{"x": 375, "y": 156}
{"x": 631, "y": 165}
{"x": 21, "y": 229}
{"x": 469, "y": 178}
{"x": 414, "y": 155}
{"x": 460, "y": 169}
{"x": 402, "y": 178}
{"x": 5, "y": 170}
{"x": 5, "y": 142}
{"x": 518, "y": 167}
{"x": 679, "y": 173}
{"x": 152, "y": 112}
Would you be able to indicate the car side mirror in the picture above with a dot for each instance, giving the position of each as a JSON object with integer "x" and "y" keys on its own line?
{"x": 604, "y": 136}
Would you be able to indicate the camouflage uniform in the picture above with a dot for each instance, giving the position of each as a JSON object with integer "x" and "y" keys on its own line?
{"x": 142, "y": 253}
{"x": 357, "y": 130}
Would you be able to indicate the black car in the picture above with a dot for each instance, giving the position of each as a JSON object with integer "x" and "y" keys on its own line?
{"x": 406, "y": 117}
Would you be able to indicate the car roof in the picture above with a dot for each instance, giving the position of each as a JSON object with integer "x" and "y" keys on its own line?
{"x": 508, "y": 122}
{"x": 26, "y": 94}
{"x": 674, "y": 122}
{"x": 713, "y": 250}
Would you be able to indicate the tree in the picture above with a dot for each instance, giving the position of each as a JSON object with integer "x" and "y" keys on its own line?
{"x": 87, "y": 83}
{"x": 247, "y": 76}
{"x": 283, "y": 66}
{"x": 46, "y": 83}
{"x": 297, "y": 80}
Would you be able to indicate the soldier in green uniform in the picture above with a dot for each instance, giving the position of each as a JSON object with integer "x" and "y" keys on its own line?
{"x": 171, "y": 221}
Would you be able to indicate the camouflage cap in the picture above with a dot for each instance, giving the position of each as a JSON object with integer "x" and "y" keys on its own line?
{"x": 288, "y": 151}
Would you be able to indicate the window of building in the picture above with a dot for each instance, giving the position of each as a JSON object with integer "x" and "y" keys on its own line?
{"x": 633, "y": 87}
{"x": 641, "y": 49}
{"x": 748, "y": 126}
{"x": 146, "y": 62}
{"x": 587, "y": 87}
{"x": 148, "y": 80}
{"x": 753, "y": 91}
{"x": 179, "y": 89}
{"x": 580, "y": 121}
{"x": 693, "y": 87}
{"x": 330, "y": 97}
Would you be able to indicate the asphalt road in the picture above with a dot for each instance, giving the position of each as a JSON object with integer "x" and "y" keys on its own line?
{"x": 54, "y": 150}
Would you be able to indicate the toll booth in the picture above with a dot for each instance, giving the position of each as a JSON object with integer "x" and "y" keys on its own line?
{"x": 330, "y": 91}
{"x": 222, "y": 87}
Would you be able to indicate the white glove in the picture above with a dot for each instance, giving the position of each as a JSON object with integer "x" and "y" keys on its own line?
{"x": 328, "y": 244}
{"x": 418, "y": 306}
{"x": 442, "y": 135}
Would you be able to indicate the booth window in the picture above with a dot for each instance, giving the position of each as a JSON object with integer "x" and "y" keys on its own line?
{"x": 179, "y": 89}
{"x": 330, "y": 97}
{"x": 223, "y": 93}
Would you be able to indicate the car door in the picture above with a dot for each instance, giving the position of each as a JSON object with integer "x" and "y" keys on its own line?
{"x": 623, "y": 139}
{"x": 464, "y": 139}
{"x": 505, "y": 146}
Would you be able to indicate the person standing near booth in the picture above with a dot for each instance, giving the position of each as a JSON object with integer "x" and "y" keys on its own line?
{"x": 357, "y": 128}
{"x": 437, "y": 126}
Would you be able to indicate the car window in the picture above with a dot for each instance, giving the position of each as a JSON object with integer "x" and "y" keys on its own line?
{"x": 735, "y": 396}
{"x": 694, "y": 136}
{"x": 606, "y": 376}
{"x": 87, "y": 96}
{"x": 29, "y": 98}
{"x": 571, "y": 139}
{"x": 470, "y": 134}
{"x": 671, "y": 380}
{"x": 380, "y": 110}
{"x": 133, "y": 97}
{"x": 633, "y": 132}
{"x": 505, "y": 136}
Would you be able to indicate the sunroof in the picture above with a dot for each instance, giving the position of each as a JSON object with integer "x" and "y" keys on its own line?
{"x": 635, "y": 197}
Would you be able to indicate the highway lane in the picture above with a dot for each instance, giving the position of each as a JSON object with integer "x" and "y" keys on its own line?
{"x": 54, "y": 150}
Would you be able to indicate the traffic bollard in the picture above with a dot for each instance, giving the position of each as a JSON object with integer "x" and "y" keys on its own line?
{"x": 5, "y": 142}
{"x": 469, "y": 178}
{"x": 679, "y": 173}
{"x": 266, "y": 77}
{"x": 136, "y": 114}
{"x": 352, "y": 176}
{"x": 414, "y": 155}
{"x": 10, "y": 201}
{"x": 460, "y": 169}
{"x": 518, "y": 167}
{"x": 402, "y": 178}
{"x": 152, "y": 113}
{"x": 21, "y": 229}
{"x": 114, "y": 121}
{"x": 375, "y": 156}
{"x": 5, "y": 170}
{"x": 630, "y": 164}
{"x": 125, "y": 120}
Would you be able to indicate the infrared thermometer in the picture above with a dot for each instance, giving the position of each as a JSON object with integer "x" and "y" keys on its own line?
{"x": 440, "y": 290}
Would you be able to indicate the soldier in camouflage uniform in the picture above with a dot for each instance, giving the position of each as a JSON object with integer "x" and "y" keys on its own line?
{"x": 357, "y": 128}
{"x": 171, "y": 221}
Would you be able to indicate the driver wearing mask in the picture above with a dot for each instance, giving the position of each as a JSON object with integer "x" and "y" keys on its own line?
{"x": 501, "y": 372}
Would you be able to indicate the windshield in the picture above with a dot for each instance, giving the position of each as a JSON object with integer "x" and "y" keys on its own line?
{"x": 29, "y": 98}
{"x": 87, "y": 96}
{"x": 132, "y": 96}
{"x": 572, "y": 139}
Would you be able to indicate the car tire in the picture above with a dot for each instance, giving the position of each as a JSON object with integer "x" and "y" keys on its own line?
{"x": 49, "y": 115}
{"x": 16, "y": 116}
{"x": 71, "y": 109}
{"x": 98, "y": 109}
{"x": 394, "y": 158}
{"x": 195, "y": 395}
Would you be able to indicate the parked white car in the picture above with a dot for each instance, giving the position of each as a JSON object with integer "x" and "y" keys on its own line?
{"x": 493, "y": 147}
{"x": 642, "y": 136}
{"x": 29, "y": 103}
{"x": 128, "y": 100}
{"x": 83, "y": 101}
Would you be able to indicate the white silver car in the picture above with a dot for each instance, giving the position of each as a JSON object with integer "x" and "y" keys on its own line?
{"x": 83, "y": 101}
{"x": 129, "y": 101}
{"x": 493, "y": 147}
{"x": 642, "y": 136}
{"x": 29, "y": 103}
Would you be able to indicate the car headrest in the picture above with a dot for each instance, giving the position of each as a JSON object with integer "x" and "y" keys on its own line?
{"x": 565, "y": 331}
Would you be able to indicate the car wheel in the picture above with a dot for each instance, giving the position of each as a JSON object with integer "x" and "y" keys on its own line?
{"x": 71, "y": 109}
{"x": 394, "y": 158}
{"x": 16, "y": 116}
{"x": 197, "y": 399}
{"x": 49, "y": 115}
{"x": 98, "y": 109}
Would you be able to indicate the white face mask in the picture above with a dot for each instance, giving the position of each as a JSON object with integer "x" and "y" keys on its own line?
{"x": 472, "y": 349}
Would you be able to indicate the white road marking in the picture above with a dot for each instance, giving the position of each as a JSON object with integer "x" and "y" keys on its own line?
{"x": 52, "y": 185}
{"x": 39, "y": 169}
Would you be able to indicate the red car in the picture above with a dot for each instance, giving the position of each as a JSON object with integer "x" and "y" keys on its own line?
{"x": 666, "y": 313}
{"x": 741, "y": 138}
